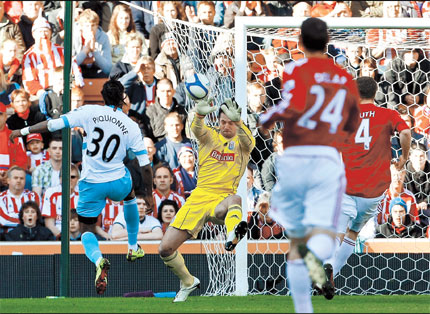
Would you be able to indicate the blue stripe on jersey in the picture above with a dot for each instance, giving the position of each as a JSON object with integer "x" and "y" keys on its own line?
{"x": 118, "y": 108}
{"x": 66, "y": 122}
{"x": 142, "y": 152}
{"x": 84, "y": 146}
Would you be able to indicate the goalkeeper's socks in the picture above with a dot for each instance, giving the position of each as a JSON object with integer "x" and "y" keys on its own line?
{"x": 177, "y": 265}
{"x": 322, "y": 245}
{"x": 233, "y": 217}
{"x": 91, "y": 246}
{"x": 342, "y": 254}
{"x": 300, "y": 286}
{"x": 131, "y": 215}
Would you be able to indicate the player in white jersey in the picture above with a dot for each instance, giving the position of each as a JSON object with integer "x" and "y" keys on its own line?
{"x": 109, "y": 134}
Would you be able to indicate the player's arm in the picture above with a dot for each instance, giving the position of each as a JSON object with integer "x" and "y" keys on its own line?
{"x": 405, "y": 143}
{"x": 41, "y": 127}
{"x": 198, "y": 127}
{"x": 147, "y": 176}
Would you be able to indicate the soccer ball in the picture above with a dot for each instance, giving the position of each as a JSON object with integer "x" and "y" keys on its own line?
{"x": 197, "y": 86}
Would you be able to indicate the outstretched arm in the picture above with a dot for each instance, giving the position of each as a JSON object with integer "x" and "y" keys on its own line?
{"x": 41, "y": 127}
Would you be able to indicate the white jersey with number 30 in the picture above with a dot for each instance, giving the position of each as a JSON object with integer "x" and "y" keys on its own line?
{"x": 109, "y": 134}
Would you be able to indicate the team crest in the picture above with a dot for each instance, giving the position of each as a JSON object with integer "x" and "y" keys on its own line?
{"x": 231, "y": 145}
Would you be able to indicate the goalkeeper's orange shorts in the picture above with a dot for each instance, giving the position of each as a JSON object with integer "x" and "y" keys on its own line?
{"x": 197, "y": 210}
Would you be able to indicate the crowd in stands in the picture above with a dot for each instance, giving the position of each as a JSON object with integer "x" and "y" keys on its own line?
{"x": 115, "y": 40}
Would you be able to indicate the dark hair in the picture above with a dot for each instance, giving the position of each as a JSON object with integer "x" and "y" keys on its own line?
{"x": 113, "y": 93}
{"x": 314, "y": 34}
{"x": 164, "y": 203}
{"x": 367, "y": 87}
{"x": 26, "y": 205}
{"x": 418, "y": 145}
{"x": 73, "y": 214}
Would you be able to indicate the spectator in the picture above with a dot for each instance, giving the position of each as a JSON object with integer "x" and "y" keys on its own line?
{"x": 408, "y": 77}
{"x": 52, "y": 202}
{"x": 168, "y": 148}
{"x": 141, "y": 87}
{"x": 30, "y": 12}
{"x": 91, "y": 46}
{"x": 202, "y": 40}
{"x": 263, "y": 146}
{"x": 51, "y": 101}
{"x": 166, "y": 213}
{"x": 163, "y": 180}
{"x": 74, "y": 228}
{"x": 10, "y": 64}
{"x": 25, "y": 114}
{"x": 133, "y": 52}
{"x": 103, "y": 9}
{"x": 56, "y": 18}
{"x": 353, "y": 59}
{"x": 397, "y": 189}
{"x": 108, "y": 215}
{"x": 41, "y": 59}
{"x": 273, "y": 87}
{"x": 121, "y": 25}
{"x": 245, "y": 8}
{"x": 400, "y": 224}
{"x": 48, "y": 174}
{"x": 169, "y": 10}
{"x": 77, "y": 134}
{"x": 5, "y": 93}
{"x": 331, "y": 9}
{"x": 149, "y": 227}
{"x": 14, "y": 197}
{"x": 260, "y": 224}
{"x": 164, "y": 104}
{"x": 268, "y": 171}
{"x": 144, "y": 21}
{"x": 150, "y": 147}
{"x": 380, "y": 38}
{"x": 13, "y": 10}
{"x": 168, "y": 62}
{"x": 396, "y": 149}
{"x": 417, "y": 180}
{"x": 368, "y": 67}
{"x": 253, "y": 193}
{"x": 10, "y": 153}
{"x": 366, "y": 8}
{"x": 35, "y": 151}
{"x": 185, "y": 173}
{"x": 421, "y": 115}
{"x": 30, "y": 227}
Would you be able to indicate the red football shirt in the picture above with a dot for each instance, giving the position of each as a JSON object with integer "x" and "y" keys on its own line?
{"x": 367, "y": 155}
{"x": 319, "y": 104}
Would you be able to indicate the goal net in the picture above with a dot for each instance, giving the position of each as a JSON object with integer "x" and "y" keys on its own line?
{"x": 244, "y": 63}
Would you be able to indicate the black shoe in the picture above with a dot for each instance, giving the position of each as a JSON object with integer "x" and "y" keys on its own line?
{"x": 328, "y": 289}
{"x": 314, "y": 265}
{"x": 236, "y": 235}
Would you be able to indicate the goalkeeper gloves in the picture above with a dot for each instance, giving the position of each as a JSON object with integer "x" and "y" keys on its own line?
{"x": 203, "y": 106}
{"x": 231, "y": 109}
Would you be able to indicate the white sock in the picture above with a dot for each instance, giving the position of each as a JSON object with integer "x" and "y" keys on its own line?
{"x": 132, "y": 247}
{"x": 98, "y": 261}
{"x": 300, "y": 286}
{"x": 332, "y": 259}
{"x": 342, "y": 254}
{"x": 322, "y": 245}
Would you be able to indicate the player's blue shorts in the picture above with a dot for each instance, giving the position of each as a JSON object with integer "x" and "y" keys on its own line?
{"x": 92, "y": 196}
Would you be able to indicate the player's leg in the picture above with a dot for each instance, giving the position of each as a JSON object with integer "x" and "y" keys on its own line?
{"x": 229, "y": 210}
{"x": 122, "y": 189}
{"x": 173, "y": 259}
{"x": 366, "y": 209}
{"x": 92, "y": 251}
{"x": 91, "y": 202}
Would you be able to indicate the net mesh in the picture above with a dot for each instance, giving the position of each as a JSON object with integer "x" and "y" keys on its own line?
{"x": 367, "y": 52}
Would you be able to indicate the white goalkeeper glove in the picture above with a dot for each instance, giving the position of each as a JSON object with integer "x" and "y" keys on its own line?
{"x": 231, "y": 109}
{"x": 203, "y": 106}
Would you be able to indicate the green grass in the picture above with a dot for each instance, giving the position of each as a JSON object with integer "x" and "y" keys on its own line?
{"x": 248, "y": 304}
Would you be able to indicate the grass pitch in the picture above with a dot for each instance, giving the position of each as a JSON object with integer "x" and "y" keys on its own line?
{"x": 248, "y": 304}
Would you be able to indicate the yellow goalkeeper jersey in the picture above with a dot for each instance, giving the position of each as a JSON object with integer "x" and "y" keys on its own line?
{"x": 222, "y": 161}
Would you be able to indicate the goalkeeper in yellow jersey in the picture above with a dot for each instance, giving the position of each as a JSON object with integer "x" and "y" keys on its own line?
{"x": 223, "y": 157}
